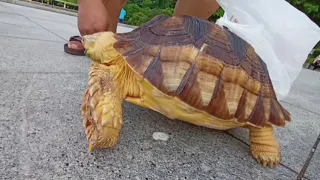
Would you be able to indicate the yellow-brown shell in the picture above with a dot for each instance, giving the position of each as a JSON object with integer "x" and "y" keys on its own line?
{"x": 206, "y": 66}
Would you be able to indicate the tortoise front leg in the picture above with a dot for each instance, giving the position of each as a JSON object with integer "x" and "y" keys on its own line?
{"x": 102, "y": 108}
{"x": 265, "y": 147}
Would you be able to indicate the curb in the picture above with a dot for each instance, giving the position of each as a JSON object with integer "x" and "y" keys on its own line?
{"x": 50, "y": 8}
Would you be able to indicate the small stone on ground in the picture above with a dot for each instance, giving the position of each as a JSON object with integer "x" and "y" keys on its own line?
{"x": 160, "y": 136}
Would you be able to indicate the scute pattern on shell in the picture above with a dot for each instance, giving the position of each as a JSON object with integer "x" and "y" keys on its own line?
{"x": 206, "y": 66}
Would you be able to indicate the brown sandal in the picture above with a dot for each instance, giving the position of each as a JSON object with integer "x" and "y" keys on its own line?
{"x": 77, "y": 41}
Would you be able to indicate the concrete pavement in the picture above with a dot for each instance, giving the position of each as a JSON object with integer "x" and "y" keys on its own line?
{"x": 42, "y": 137}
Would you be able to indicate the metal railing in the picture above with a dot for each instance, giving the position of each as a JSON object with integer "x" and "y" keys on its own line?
{"x": 58, "y": 3}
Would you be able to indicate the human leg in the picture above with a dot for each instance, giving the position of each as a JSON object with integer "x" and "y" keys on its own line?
{"x": 114, "y": 9}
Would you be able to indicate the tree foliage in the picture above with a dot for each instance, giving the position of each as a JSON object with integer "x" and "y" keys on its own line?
{"x": 141, "y": 11}
{"x": 71, "y": 1}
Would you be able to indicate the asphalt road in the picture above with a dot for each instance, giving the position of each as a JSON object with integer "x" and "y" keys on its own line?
{"x": 42, "y": 137}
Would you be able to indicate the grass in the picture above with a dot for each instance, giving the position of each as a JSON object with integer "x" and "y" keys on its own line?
{"x": 67, "y": 2}
{"x": 310, "y": 60}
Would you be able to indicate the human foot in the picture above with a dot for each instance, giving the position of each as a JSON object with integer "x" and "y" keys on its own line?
{"x": 74, "y": 46}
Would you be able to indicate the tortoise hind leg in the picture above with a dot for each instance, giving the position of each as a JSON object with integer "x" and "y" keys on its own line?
{"x": 102, "y": 108}
{"x": 265, "y": 147}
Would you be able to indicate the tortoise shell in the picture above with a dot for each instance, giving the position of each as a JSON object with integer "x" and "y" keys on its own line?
{"x": 206, "y": 66}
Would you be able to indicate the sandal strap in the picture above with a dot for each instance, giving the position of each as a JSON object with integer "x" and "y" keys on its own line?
{"x": 75, "y": 38}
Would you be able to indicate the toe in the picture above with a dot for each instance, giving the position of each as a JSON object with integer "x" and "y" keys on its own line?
{"x": 268, "y": 160}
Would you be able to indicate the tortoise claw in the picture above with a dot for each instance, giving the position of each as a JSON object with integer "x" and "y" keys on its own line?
{"x": 269, "y": 160}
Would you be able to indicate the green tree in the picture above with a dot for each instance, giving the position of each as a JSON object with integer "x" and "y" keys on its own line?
{"x": 142, "y": 11}
{"x": 150, "y": 8}
{"x": 71, "y": 1}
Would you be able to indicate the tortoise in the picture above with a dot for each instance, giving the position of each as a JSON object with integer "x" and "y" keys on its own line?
{"x": 187, "y": 69}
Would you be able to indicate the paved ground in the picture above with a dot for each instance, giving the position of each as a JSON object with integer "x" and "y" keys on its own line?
{"x": 42, "y": 137}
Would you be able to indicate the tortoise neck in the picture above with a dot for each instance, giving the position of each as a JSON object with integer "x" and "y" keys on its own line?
{"x": 127, "y": 80}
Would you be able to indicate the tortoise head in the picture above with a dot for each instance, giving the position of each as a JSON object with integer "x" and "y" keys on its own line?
{"x": 99, "y": 47}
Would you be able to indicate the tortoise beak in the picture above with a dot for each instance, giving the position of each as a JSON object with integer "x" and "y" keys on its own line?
{"x": 83, "y": 44}
{"x": 88, "y": 41}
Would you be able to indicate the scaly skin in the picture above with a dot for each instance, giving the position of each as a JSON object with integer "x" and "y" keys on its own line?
{"x": 112, "y": 81}
{"x": 109, "y": 84}
{"x": 102, "y": 108}
{"x": 265, "y": 147}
